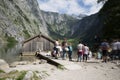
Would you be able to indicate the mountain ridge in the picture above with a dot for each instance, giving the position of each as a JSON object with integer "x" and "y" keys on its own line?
{"x": 21, "y": 19}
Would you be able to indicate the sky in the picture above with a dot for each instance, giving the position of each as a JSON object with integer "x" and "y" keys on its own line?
{"x": 71, "y": 7}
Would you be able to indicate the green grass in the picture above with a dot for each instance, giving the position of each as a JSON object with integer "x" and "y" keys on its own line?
{"x": 35, "y": 77}
{"x": 2, "y": 79}
{"x": 11, "y": 75}
{"x": 1, "y": 71}
{"x": 61, "y": 67}
{"x": 74, "y": 43}
{"x": 21, "y": 76}
{"x": 14, "y": 72}
{"x": 46, "y": 73}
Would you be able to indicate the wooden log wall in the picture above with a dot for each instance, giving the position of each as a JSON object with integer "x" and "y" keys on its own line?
{"x": 37, "y": 43}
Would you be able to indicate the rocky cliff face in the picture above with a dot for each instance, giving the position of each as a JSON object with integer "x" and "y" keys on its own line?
{"x": 72, "y": 27}
{"x": 111, "y": 14}
{"x": 60, "y": 25}
{"x": 88, "y": 27}
{"x": 20, "y": 19}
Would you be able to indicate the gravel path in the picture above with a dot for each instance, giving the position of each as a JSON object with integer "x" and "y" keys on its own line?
{"x": 91, "y": 70}
{"x": 88, "y": 71}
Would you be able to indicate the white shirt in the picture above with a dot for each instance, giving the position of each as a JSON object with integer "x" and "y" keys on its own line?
{"x": 60, "y": 48}
{"x": 80, "y": 47}
{"x": 114, "y": 46}
{"x": 90, "y": 54}
{"x": 118, "y": 45}
{"x": 56, "y": 43}
{"x": 86, "y": 50}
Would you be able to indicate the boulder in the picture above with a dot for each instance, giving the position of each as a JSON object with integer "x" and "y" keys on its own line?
{"x": 3, "y": 65}
{"x": 29, "y": 76}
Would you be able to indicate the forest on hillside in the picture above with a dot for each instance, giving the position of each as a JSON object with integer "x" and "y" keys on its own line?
{"x": 111, "y": 14}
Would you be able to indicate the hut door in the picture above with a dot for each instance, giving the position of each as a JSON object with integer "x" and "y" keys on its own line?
{"x": 39, "y": 45}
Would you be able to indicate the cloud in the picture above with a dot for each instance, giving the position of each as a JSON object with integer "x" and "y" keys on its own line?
{"x": 94, "y": 6}
{"x": 75, "y": 7}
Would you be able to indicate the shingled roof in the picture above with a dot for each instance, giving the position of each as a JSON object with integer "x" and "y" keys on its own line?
{"x": 40, "y": 35}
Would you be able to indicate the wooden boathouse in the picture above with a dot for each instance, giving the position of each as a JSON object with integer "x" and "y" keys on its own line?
{"x": 38, "y": 42}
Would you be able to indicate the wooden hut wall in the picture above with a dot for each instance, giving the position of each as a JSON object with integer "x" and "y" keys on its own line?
{"x": 34, "y": 45}
{"x": 51, "y": 46}
{"x": 27, "y": 47}
{"x": 30, "y": 46}
{"x": 47, "y": 44}
{"x": 38, "y": 43}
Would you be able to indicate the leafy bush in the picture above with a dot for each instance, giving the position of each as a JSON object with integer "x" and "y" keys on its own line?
{"x": 11, "y": 42}
{"x": 21, "y": 76}
{"x": 27, "y": 35}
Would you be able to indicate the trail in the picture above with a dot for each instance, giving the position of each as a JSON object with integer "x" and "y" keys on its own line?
{"x": 91, "y": 70}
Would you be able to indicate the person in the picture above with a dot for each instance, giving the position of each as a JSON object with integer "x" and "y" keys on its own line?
{"x": 60, "y": 50}
{"x": 99, "y": 55}
{"x": 118, "y": 47}
{"x": 64, "y": 48}
{"x": 97, "y": 38}
{"x": 90, "y": 55}
{"x": 86, "y": 52}
{"x": 70, "y": 51}
{"x": 56, "y": 45}
{"x": 53, "y": 53}
{"x": 37, "y": 52}
{"x": 114, "y": 49}
{"x": 80, "y": 48}
{"x": 104, "y": 47}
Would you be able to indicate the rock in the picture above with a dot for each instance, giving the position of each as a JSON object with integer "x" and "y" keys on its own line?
{"x": 23, "y": 63}
{"x": 43, "y": 61}
{"x": 43, "y": 75}
{"x": 9, "y": 79}
{"x": 95, "y": 67}
{"x": 29, "y": 76}
{"x": 14, "y": 64}
{"x": 118, "y": 66}
{"x": 3, "y": 65}
{"x": 36, "y": 62}
{"x": 114, "y": 67}
{"x": 26, "y": 14}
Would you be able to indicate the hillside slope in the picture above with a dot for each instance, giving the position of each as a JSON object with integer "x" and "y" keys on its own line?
{"x": 111, "y": 14}
{"x": 20, "y": 19}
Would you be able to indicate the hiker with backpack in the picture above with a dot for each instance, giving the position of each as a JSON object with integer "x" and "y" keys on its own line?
{"x": 70, "y": 51}
{"x": 104, "y": 47}
{"x": 64, "y": 48}
{"x": 80, "y": 51}
{"x": 86, "y": 53}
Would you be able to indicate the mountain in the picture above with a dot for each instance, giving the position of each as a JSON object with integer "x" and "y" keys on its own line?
{"x": 59, "y": 25}
{"x": 80, "y": 16}
{"x": 20, "y": 19}
{"x": 111, "y": 18}
{"x": 88, "y": 27}
{"x": 82, "y": 26}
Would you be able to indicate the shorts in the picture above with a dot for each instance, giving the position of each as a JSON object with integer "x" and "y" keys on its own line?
{"x": 104, "y": 53}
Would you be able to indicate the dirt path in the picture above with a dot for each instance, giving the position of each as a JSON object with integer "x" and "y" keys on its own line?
{"x": 88, "y": 71}
{"x": 91, "y": 70}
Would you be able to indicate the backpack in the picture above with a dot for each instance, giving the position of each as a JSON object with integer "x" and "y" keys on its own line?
{"x": 70, "y": 48}
{"x": 104, "y": 46}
